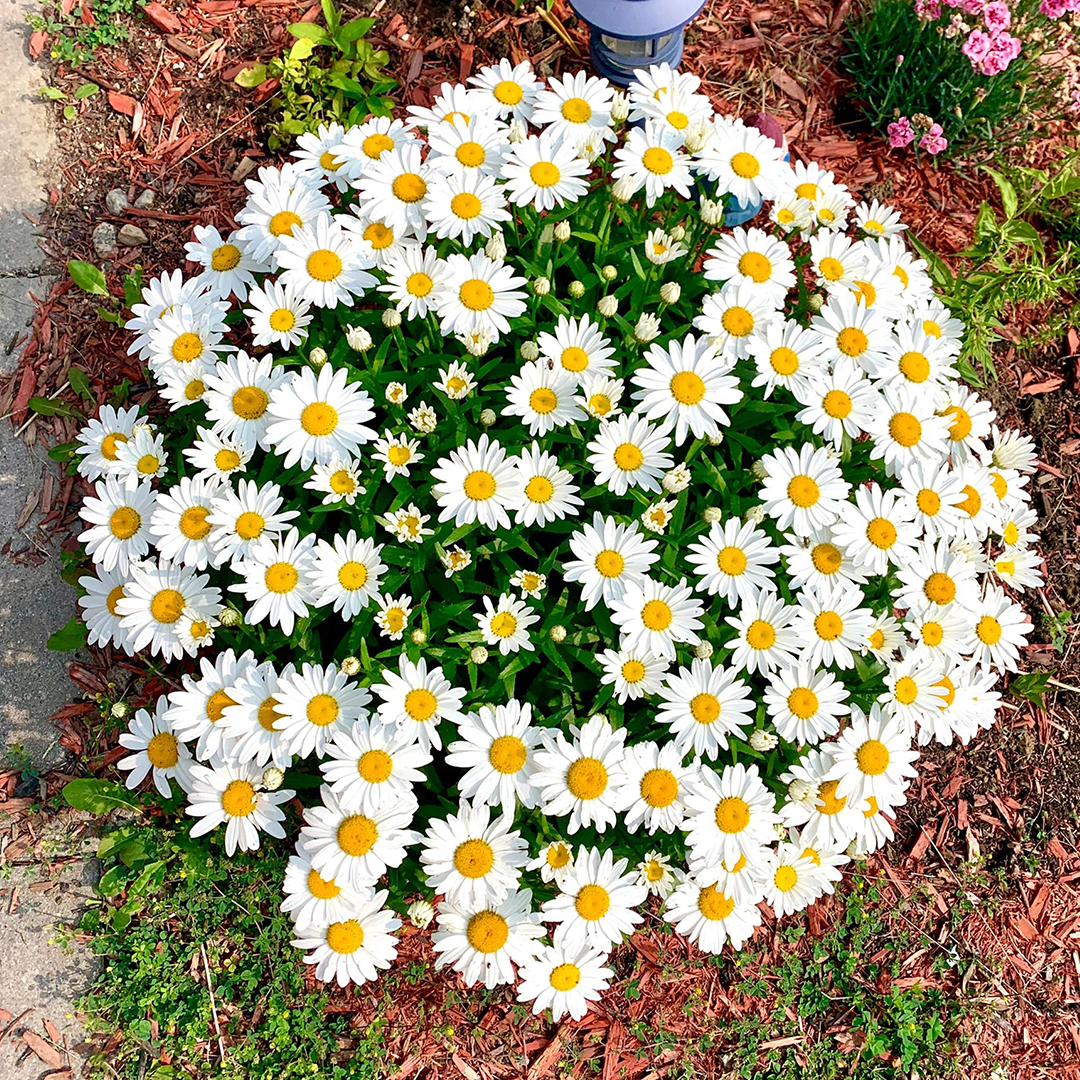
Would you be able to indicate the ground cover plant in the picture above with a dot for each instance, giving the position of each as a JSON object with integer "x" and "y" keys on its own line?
{"x": 761, "y": 536}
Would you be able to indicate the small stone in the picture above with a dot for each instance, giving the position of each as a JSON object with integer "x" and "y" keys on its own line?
{"x": 116, "y": 201}
{"x": 104, "y": 238}
{"x": 145, "y": 200}
{"x": 131, "y": 236}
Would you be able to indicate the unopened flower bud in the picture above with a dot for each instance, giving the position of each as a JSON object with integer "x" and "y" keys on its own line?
{"x": 391, "y": 317}
{"x": 815, "y": 302}
{"x": 420, "y": 914}
{"x": 762, "y": 740}
{"x": 695, "y": 141}
{"x": 712, "y": 212}
{"x": 609, "y": 272}
{"x": 703, "y": 650}
{"x": 495, "y": 248}
{"x": 756, "y": 514}
{"x": 624, "y": 189}
{"x": 715, "y": 440}
{"x": 541, "y": 286}
{"x": 272, "y": 778}
{"x": 678, "y": 232}
{"x": 576, "y": 289}
{"x": 518, "y": 132}
{"x": 562, "y": 231}
{"x": 607, "y": 306}
{"x": 800, "y": 790}
{"x": 677, "y": 479}
{"x": 488, "y": 417}
{"x": 557, "y": 634}
{"x": 479, "y": 654}
{"x": 758, "y": 470}
{"x": 529, "y": 351}
{"x": 358, "y": 338}
{"x": 120, "y": 709}
{"x": 317, "y": 357}
{"x": 620, "y": 107}
{"x": 418, "y": 636}
{"x": 670, "y": 292}
{"x": 647, "y": 328}
{"x": 351, "y": 665}
{"x": 230, "y": 617}
{"x": 712, "y": 514}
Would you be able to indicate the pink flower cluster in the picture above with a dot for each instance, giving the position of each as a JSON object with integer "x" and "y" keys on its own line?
{"x": 1055, "y": 9}
{"x": 902, "y": 134}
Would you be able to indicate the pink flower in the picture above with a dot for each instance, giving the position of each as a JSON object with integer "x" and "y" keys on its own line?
{"x": 901, "y": 133}
{"x": 1053, "y": 9}
{"x": 928, "y": 10}
{"x": 972, "y": 7}
{"x": 997, "y": 16}
{"x": 993, "y": 63}
{"x": 977, "y": 46}
{"x": 1007, "y": 45}
{"x": 933, "y": 142}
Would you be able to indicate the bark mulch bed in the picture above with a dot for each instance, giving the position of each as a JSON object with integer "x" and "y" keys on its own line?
{"x": 171, "y": 121}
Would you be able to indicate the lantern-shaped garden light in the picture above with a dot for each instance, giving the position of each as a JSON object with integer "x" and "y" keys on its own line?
{"x": 625, "y": 35}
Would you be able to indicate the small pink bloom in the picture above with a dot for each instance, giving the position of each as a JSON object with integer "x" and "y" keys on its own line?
{"x": 928, "y": 10}
{"x": 933, "y": 142}
{"x": 997, "y": 16}
{"x": 901, "y": 133}
{"x": 977, "y": 46}
{"x": 1053, "y": 9}
{"x": 972, "y": 7}
{"x": 993, "y": 63}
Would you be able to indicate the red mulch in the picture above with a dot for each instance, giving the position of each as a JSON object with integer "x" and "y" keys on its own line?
{"x": 172, "y": 122}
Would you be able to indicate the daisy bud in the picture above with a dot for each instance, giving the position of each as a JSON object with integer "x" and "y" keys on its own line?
{"x": 799, "y": 790}
{"x": 715, "y": 440}
{"x": 317, "y": 357}
{"x": 230, "y": 617}
{"x": 272, "y": 778}
{"x": 695, "y": 141}
{"x": 762, "y": 740}
{"x": 712, "y": 212}
{"x": 780, "y": 831}
{"x": 609, "y": 273}
{"x": 607, "y": 306}
{"x": 562, "y": 231}
{"x": 478, "y": 655}
{"x": 557, "y": 634}
{"x": 758, "y": 470}
{"x": 620, "y": 107}
{"x": 670, "y": 292}
{"x": 576, "y": 289}
{"x": 648, "y": 328}
{"x": 396, "y": 393}
{"x": 143, "y": 428}
{"x": 815, "y": 302}
{"x": 518, "y": 132}
{"x": 703, "y": 650}
{"x": 756, "y": 514}
{"x": 351, "y": 665}
{"x": 529, "y": 351}
{"x": 418, "y": 636}
{"x": 712, "y": 514}
{"x": 678, "y": 232}
{"x": 624, "y": 189}
{"x": 358, "y": 338}
{"x": 495, "y": 248}
{"x": 541, "y": 286}
{"x": 678, "y": 479}
{"x": 420, "y": 914}
{"x": 477, "y": 344}
{"x": 391, "y": 317}
{"x": 120, "y": 709}
{"x": 488, "y": 417}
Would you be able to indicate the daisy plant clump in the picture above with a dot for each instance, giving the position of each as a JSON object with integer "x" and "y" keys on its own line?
{"x": 566, "y": 550}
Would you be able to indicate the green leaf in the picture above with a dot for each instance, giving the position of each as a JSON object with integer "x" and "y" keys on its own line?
{"x": 62, "y": 451}
{"x": 1032, "y": 686}
{"x": 150, "y": 880}
{"x": 70, "y": 112}
{"x": 302, "y": 49}
{"x": 88, "y": 89}
{"x": 248, "y": 78}
{"x": 98, "y": 796}
{"x": 46, "y": 407}
{"x": 353, "y": 31}
{"x": 121, "y": 920}
{"x": 1008, "y": 192}
{"x": 79, "y": 382}
{"x": 53, "y": 93}
{"x": 309, "y": 32}
{"x": 68, "y": 637}
{"x": 112, "y": 881}
{"x": 88, "y": 277}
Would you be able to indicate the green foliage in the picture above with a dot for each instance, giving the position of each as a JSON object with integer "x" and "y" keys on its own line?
{"x": 894, "y": 1029}
{"x": 1008, "y": 263}
{"x": 1032, "y": 686}
{"x": 935, "y": 78}
{"x": 1057, "y": 625}
{"x": 161, "y": 901}
{"x": 88, "y": 277}
{"x": 329, "y": 75}
{"x": 73, "y": 42}
{"x": 70, "y": 111}
{"x": 70, "y": 636}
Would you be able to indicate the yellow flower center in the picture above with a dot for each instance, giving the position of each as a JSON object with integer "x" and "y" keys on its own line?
{"x": 628, "y": 457}
{"x": 539, "y": 489}
{"x": 109, "y": 444}
{"x": 479, "y": 485}
{"x": 186, "y": 347}
{"x": 328, "y": 162}
{"x": 755, "y": 266}
{"x": 224, "y": 258}
{"x": 473, "y": 858}
{"x": 658, "y": 161}
{"x": 379, "y": 236}
{"x": 544, "y": 174}
{"x": 508, "y": 92}
{"x": 827, "y": 558}
{"x": 324, "y": 265}
{"x": 194, "y": 390}
{"x": 476, "y": 295}
{"x": 250, "y": 402}
{"x": 737, "y": 321}
{"x": 574, "y": 359}
{"x": 940, "y": 588}
{"x": 543, "y": 401}
{"x": 961, "y": 426}
{"x": 592, "y": 902}
{"x": 950, "y": 691}
{"x": 268, "y": 714}
{"x": 124, "y": 522}
{"x": 162, "y": 750}
{"x": 714, "y": 905}
{"x": 283, "y": 223}
{"x": 114, "y": 597}
{"x": 932, "y": 633}
{"x": 227, "y": 460}
{"x": 803, "y": 702}
{"x": 148, "y": 464}
{"x": 881, "y": 533}
{"x": 238, "y": 799}
{"x": 419, "y": 284}
{"x": 851, "y": 341}
{"x": 678, "y": 120}
{"x": 807, "y": 190}
{"x": 831, "y": 269}
{"x": 656, "y": 615}
{"x": 732, "y": 814}
{"x": 972, "y": 504}
{"x": 323, "y": 710}
{"x": 167, "y": 606}
{"x": 905, "y": 429}
{"x": 705, "y": 708}
{"x": 319, "y": 419}
{"x": 731, "y": 560}
{"x": 988, "y": 630}
{"x": 872, "y": 757}
{"x": 345, "y": 937}
{"x": 576, "y": 110}
{"x": 837, "y": 404}
{"x": 487, "y": 932}
{"x": 503, "y": 624}
{"x": 659, "y": 788}
{"x": 687, "y": 388}
{"x": 374, "y": 146}
{"x": 565, "y": 977}
{"x": 250, "y": 525}
{"x": 471, "y": 155}
{"x": 785, "y": 878}
{"x": 320, "y": 888}
{"x": 352, "y": 575}
{"x": 760, "y": 635}
{"x": 873, "y": 226}
{"x": 828, "y": 625}
{"x": 356, "y": 835}
{"x": 281, "y": 577}
{"x": 466, "y": 205}
{"x": 906, "y": 690}
{"x": 342, "y": 482}
{"x": 828, "y": 804}
{"x": 633, "y": 671}
{"x": 409, "y": 187}
{"x": 928, "y": 501}
{"x": 507, "y": 754}
{"x": 915, "y": 367}
{"x": 375, "y": 766}
{"x": 803, "y": 490}
{"x": 784, "y": 361}
{"x": 587, "y": 778}
{"x": 745, "y": 165}
{"x": 394, "y": 618}
{"x": 421, "y": 704}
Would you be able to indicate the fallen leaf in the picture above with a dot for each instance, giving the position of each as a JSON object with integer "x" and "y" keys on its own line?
{"x": 38, "y": 40}
{"x": 1043, "y": 386}
{"x": 789, "y": 86}
{"x": 46, "y": 1052}
{"x": 122, "y": 103}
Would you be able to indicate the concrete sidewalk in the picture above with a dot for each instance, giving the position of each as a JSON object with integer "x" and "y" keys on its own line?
{"x": 34, "y": 974}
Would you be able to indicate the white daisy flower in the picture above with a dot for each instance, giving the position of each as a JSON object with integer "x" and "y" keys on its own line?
{"x": 238, "y": 392}
{"x": 629, "y": 452}
{"x": 477, "y": 482}
{"x": 249, "y": 723}
{"x": 543, "y": 398}
{"x": 216, "y": 458}
{"x": 477, "y": 146}
{"x": 657, "y": 874}
{"x": 803, "y": 488}
{"x": 323, "y": 265}
{"x": 159, "y": 295}
{"x": 878, "y": 220}
{"x": 311, "y": 899}
{"x": 837, "y": 260}
{"x": 366, "y": 143}
{"x": 553, "y": 861}
{"x": 182, "y": 386}
{"x": 509, "y": 90}
{"x": 463, "y": 206}
{"x": 655, "y": 787}
{"x": 119, "y": 517}
{"x": 183, "y": 336}
{"x": 838, "y": 403}
{"x": 660, "y": 249}
{"x": 545, "y": 172}
{"x": 582, "y": 779}
{"x": 805, "y": 704}
{"x": 229, "y": 796}
{"x": 228, "y": 270}
{"x": 564, "y": 980}
{"x": 730, "y": 814}
{"x": 101, "y": 437}
{"x": 633, "y": 673}
{"x": 733, "y": 561}
{"x": 104, "y": 588}
{"x": 346, "y": 573}
{"x": 871, "y": 757}
{"x": 609, "y": 557}
{"x": 731, "y": 317}
{"x": 755, "y": 257}
{"x": 478, "y": 296}
{"x": 767, "y": 638}
{"x": 531, "y": 583}
{"x": 600, "y": 396}
{"x": 938, "y": 576}
{"x": 392, "y": 189}
{"x": 906, "y": 430}
{"x": 338, "y": 480}
{"x": 577, "y": 347}
{"x": 652, "y": 158}
{"x": 143, "y": 457}
{"x": 408, "y": 524}
{"x": 1019, "y": 568}
{"x": 158, "y": 752}
{"x": 247, "y": 522}
{"x": 280, "y": 201}
{"x": 793, "y": 881}
{"x": 393, "y": 614}
{"x": 702, "y": 705}
{"x": 709, "y": 918}
{"x": 456, "y": 382}
{"x": 1001, "y": 629}
{"x": 574, "y": 107}
{"x": 413, "y": 275}
{"x": 831, "y": 625}
{"x": 497, "y": 746}
{"x": 314, "y": 704}
{"x": 655, "y": 616}
{"x": 278, "y": 587}
{"x": 506, "y": 624}
{"x": 745, "y": 163}
{"x": 179, "y": 524}
{"x": 314, "y": 157}
{"x": 353, "y": 950}
{"x": 816, "y": 560}
{"x": 849, "y": 330}
{"x": 786, "y": 355}
{"x": 417, "y": 700}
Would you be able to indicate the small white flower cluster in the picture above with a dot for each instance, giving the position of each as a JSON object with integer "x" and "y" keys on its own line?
{"x": 849, "y": 596}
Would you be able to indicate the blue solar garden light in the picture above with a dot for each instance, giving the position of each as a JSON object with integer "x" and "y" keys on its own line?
{"x": 625, "y": 35}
